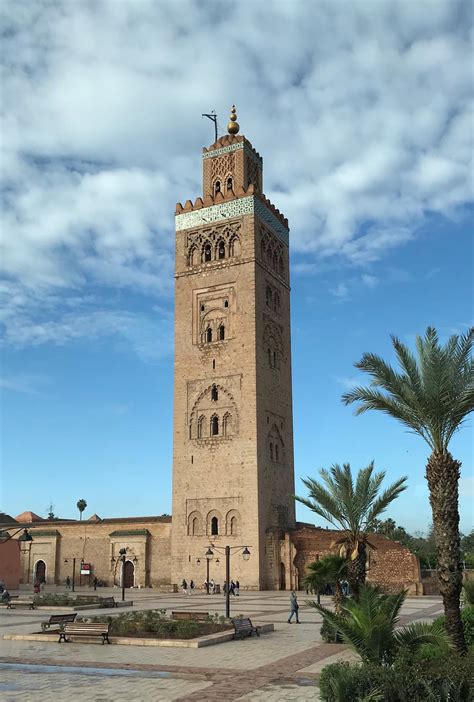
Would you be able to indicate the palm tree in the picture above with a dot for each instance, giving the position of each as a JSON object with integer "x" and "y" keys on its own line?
{"x": 432, "y": 396}
{"x": 329, "y": 569}
{"x": 81, "y": 505}
{"x": 352, "y": 509}
{"x": 368, "y": 625}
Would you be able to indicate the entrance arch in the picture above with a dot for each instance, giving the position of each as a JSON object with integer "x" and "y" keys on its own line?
{"x": 128, "y": 574}
{"x": 40, "y": 571}
{"x": 282, "y": 576}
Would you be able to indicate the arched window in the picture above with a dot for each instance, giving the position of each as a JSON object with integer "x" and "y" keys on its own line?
{"x": 276, "y": 453}
{"x": 233, "y": 526}
{"x": 200, "y": 427}
{"x": 208, "y": 335}
{"x": 217, "y": 187}
{"x": 194, "y": 526}
{"x": 221, "y": 250}
{"x": 270, "y": 357}
{"x": 207, "y": 253}
{"x": 229, "y": 183}
{"x": 234, "y": 247}
{"x": 274, "y": 359}
{"x": 191, "y": 429}
{"x": 214, "y": 526}
{"x": 221, "y": 332}
{"x": 215, "y": 426}
{"x": 280, "y": 266}
{"x": 269, "y": 296}
{"x": 271, "y": 452}
{"x": 227, "y": 424}
{"x": 277, "y": 301}
{"x": 214, "y": 394}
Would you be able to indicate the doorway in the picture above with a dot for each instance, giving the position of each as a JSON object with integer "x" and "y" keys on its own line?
{"x": 282, "y": 576}
{"x": 40, "y": 571}
{"x": 128, "y": 574}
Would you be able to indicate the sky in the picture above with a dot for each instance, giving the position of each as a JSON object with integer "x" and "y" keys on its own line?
{"x": 362, "y": 112}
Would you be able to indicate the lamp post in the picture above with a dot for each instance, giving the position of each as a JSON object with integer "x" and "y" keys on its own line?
{"x": 209, "y": 556}
{"x": 122, "y": 553}
{"x": 227, "y": 551}
{"x": 26, "y": 536}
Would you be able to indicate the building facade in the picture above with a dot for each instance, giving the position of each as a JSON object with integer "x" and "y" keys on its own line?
{"x": 233, "y": 474}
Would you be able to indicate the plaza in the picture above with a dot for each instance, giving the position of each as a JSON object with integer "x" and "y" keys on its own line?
{"x": 283, "y": 665}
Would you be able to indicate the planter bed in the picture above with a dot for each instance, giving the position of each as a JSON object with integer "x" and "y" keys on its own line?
{"x": 198, "y": 642}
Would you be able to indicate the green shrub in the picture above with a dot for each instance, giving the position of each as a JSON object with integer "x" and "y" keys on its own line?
{"x": 468, "y": 592}
{"x": 467, "y": 618}
{"x": 328, "y": 634}
{"x": 438, "y": 680}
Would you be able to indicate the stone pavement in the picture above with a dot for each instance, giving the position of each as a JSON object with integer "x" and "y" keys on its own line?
{"x": 283, "y": 665}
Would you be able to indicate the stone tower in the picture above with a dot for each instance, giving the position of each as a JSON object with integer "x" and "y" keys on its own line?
{"x": 233, "y": 481}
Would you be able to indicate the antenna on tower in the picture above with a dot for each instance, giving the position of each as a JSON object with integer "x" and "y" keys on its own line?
{"x": 213, "y": 117}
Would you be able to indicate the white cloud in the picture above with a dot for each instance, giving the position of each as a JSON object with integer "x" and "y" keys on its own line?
{"x": 341, "y": 291}
{"x": 362, "y": 112}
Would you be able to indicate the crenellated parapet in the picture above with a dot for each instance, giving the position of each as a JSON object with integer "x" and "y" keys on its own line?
{"x": 209, "y": 201}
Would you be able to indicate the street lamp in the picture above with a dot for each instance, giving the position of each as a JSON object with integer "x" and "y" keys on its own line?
{"x": 26, "y": 536}
{"x": 227, "y": 550}
{"x": 73, "y": 572}
{"x": 122, "y": 554}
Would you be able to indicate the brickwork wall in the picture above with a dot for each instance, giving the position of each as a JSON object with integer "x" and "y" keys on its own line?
{"x": 56, "y": 542}
{"x": 391, "y": 566}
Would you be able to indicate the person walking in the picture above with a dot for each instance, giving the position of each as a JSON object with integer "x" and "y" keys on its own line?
{"x": 212, "y": 586}
{"x": 191, "y": 587}
{"x": 184, "y": 585}
{"x": 237, "y": 587}
{"x": 95, "y": 583}
{"x": 37, "y": 587}
{"x": 294, "y": 607}
{"x": 68, "y": 583}
{"x": 232, "y": 588}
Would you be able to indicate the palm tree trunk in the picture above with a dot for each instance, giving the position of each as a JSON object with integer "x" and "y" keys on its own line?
{"x": 356, "y": 570}
{"x": 442, "y": 474}
{"x": 338, "y": 597}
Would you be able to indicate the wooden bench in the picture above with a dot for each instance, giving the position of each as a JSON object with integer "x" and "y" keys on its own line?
{"x": 191, "y": 616}
{"x": 107, "y": 602}
{"x": 94, "y": 629}
{"x": 12, "y": 603}
{"x": 87, "y": 599}
{"x": 243, "y": 627}
{"x": 60, "y": 619}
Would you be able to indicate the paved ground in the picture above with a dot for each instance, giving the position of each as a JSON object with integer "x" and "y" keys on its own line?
{"x": 283, "y": 665}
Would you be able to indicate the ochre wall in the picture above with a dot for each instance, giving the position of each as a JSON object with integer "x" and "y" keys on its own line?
{"x": 10, "y": 563}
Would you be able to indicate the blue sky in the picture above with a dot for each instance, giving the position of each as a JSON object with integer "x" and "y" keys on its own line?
{"x": 361, "y": 114}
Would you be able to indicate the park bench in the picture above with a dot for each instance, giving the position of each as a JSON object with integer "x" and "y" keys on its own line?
{"x": 87, "y": 599}
{"x": 107, "y": 602}
{"x": 60, "y": 619}
{"x": 243, "y": 627}
{"x": 13, "y": 603}
{"x": 85, "y": 629}
{"x": 191, "y": 616}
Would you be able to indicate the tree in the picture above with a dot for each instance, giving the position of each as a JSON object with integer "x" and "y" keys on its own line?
{"x": 329, "y": 569}
{"x": 81, "y": 505}
{"x": 368, "y": 625}
{"x": 352, "y": 509}
{"x": 432, "y": 396}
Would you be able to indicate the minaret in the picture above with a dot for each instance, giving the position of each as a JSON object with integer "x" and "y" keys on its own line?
{"x": 233, "y": 481}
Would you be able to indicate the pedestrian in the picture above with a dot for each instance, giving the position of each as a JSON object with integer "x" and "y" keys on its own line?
{"x": 42, "y": 582}
{"x": 184, "y": 585}
{"x": 5, "y": 596}
{"x": 224, "y": 589}
{"x": 37, "y": 587}
{"x": 294, "y": 607}
{"x": 212, "y": 586}
{"x": 95, "y": 583}
{"x": 237, "y": 587}
{"x": 232, "y": 588}
{"x": 68, "y": 583}
{"x": 191, "y": 587}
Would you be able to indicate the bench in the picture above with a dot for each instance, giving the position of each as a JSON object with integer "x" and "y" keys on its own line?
{"x": 60, "y": 619}
{"x": 85, "y": 629}
{"x": 243, "y": 627}
{"x": 107, "y": 602}
{"x": 21, "y": 603}
{"x": 87, "y": 599}
{"x": 191, "y": 616}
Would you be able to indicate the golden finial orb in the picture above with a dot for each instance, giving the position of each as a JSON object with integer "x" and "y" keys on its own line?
{"x": 233, "y": 125}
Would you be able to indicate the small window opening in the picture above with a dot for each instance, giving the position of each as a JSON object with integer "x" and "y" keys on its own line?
{"x": 214, "y": 526}
{"x": 202, "y": 308}
{"x": 207, "y": 253}
{"x": 271, "y": 452}
{"x": 221, "y": 332}
{"x": 217, "y": 187}
{"x": 226, "y": 303}
{"x": 213, "y": 364}
{"x": 192, "y": 460}
{"x": 209, "y": 335}
{"x": 269, "y": 357}
{"x": 233, "y": 526}
{"x": 214, "y": 394}
{"x": 194, "y": 528}
{"x": 199, "y": 427}
{"x": 268, "y": 420}
{"x": 274, "y": 359}
{"x": 229, "y": 183}
{"x": 221, "y": 250}
{"x": 215, "y": 426}
{"x": 276, "y": 452}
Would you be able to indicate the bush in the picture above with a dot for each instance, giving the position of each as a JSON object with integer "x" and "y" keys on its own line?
{"x": 328, "y": 634}
{"x": 441, "y": 680}
{"x": 468, "y": 592}
{"x": 467, "y": 618}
